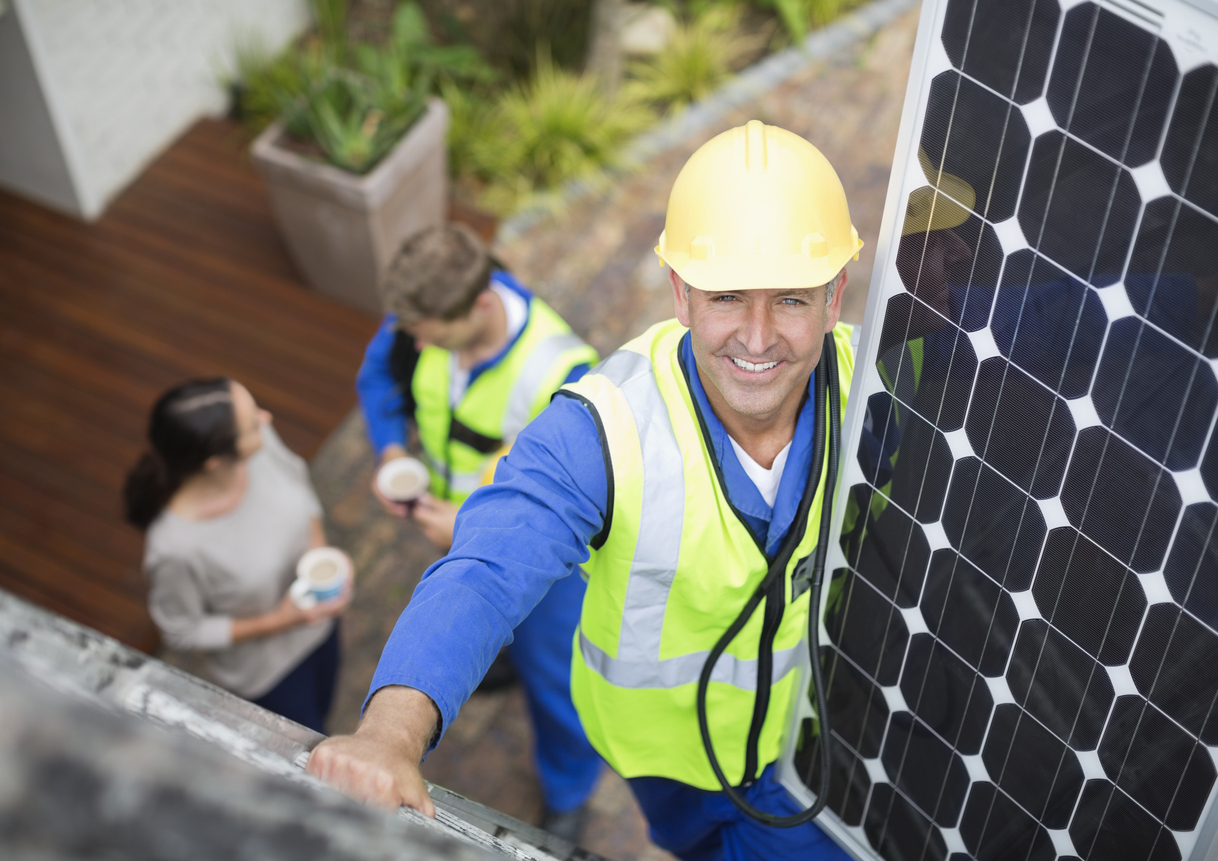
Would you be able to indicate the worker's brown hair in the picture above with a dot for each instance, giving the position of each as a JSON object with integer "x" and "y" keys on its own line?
{"x": 437, "y": 274}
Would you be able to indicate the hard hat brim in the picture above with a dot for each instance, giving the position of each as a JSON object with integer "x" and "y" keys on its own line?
{"x": 758, "y": 271}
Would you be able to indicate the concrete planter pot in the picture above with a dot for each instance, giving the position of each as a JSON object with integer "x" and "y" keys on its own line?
{"x": 342, "y": 228}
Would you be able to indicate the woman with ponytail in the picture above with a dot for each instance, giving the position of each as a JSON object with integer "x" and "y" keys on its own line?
{"x": 228, "y": 511}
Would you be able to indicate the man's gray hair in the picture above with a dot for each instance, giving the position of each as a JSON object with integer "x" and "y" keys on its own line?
{"x": 830, "y": 288}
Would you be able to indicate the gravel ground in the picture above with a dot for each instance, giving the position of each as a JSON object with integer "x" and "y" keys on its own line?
{"x": 594, "y": 263}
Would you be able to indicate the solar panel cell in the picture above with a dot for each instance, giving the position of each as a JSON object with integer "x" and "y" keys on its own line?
{"x": 1190, "y": 149}
{"x": 917, "y": 479}
{"x": 1059, "y": 684}
{"x": 946, "y": 693}
{"x": 1090, "y": 597}
{"x": 1020, "y": 428}
{"x": 848, "y": 780}
{"x": 1112, "y": 84}
{"x": 1033, "y": 766}
{"x": 994, "y": 828}
{"x": 1173, "y": 273}
{"x": 1193, "y": 561}
{"x": 1049, "y": 324}
{"x": 1003, "y": 537}
{"x": 925, "y": 768}
{"x": 979, "y": 137}
{"x": 1109, "y": 824}
{"x": 888, "y": 549}
{"x": 858, "y": 710}
{"x": 1156, "y": 763}
{"x": 1120, "y": 499}
{"x": 952, "y": 271}
{"x": 1143, "y": 377}
{"x": 926, "y": 362}
{"x": 867, "y": 628}
{"x": 1175, "y": 666}
{"x": 969, "y": 612}
{"x": 1078, "y": 208}
{"x": 898, "y": 830}
{"x": 1006, "y": 46}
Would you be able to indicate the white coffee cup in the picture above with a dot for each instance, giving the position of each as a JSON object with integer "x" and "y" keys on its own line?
{"x": 321, "y": 575}
{"x": 403, "y": 479}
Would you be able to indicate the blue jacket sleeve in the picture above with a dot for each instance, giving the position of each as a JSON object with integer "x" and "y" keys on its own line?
{"x": 513, "y": 539}
{"x": 380, "y": 396}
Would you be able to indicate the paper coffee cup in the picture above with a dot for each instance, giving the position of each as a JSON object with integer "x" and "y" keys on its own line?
{"x": 324, "y": 571}
{"x": 403, "y": 479}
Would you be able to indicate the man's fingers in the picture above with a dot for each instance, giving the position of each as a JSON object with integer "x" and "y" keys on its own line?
{"x": 367, "y": 782}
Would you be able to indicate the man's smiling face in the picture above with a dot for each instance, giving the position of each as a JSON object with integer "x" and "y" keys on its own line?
{"x": 756, "y": 349}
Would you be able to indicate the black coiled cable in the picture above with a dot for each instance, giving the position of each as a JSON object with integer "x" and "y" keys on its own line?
{"x": 827, "y": 385}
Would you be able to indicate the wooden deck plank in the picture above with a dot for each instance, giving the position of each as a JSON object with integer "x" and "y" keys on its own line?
{"x": 184, "y": 276}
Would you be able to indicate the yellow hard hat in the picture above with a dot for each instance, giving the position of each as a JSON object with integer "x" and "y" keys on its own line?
{"x": 757, "y": 207}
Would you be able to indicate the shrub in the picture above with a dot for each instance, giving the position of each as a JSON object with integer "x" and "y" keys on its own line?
{"x": 798, "y": 16}
{"x": 557, "y": 127}
{"x": 702, "y": 54}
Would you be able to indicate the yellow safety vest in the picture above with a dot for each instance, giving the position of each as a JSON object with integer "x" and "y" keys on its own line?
{"x": 497, "y": 405}
{"x": 671, "y": 575}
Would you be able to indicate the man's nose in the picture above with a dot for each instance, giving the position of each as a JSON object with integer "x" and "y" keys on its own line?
{"x": 758, "y": 334}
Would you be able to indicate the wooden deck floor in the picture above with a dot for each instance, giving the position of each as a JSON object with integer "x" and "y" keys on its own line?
{"x": 184, "y": 276}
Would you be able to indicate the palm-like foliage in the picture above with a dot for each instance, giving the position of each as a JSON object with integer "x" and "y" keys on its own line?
{"x": 556, "y": 127}
{"x": 702, "y": 55}
{"x": 354, "y": 102}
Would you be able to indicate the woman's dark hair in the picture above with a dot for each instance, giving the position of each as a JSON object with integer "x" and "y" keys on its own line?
{"x": 189, "y": 424}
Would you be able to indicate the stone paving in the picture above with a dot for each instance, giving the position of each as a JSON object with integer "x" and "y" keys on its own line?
{"x": 594, "y": 263}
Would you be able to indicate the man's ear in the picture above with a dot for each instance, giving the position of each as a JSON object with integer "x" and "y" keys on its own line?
{"x": 679, "y": 297}
{"x": 834, "y": 309}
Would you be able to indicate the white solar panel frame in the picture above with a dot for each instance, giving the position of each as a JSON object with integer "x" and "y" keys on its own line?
{"x": 1190, "y": 28}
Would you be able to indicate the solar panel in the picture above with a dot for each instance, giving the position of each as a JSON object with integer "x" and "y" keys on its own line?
{"x": 1021, "y": 627}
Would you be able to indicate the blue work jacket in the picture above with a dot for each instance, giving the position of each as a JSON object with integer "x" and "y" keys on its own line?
{"x": 532, "y": 527}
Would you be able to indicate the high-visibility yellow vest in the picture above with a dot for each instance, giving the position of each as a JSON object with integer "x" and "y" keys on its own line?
{"x": 674, "y": 570}
{"x": 498, "y": 403}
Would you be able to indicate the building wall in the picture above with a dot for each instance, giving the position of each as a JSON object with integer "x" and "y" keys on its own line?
{"x": 31, "y": 160}
{"x": 122, "y": 80}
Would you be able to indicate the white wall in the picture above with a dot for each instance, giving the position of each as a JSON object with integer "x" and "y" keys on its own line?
{"x": 121, "y": 79}
{"x": 32, "y": 162}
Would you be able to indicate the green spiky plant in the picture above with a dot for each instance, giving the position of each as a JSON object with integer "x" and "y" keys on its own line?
{"x": 557, "y": 127}
{"x": 354, "y": 102}
{"x": 702, "y": 54}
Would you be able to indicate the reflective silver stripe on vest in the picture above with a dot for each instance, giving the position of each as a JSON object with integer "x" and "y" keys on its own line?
{"x": 533, "y": 375}
{"x": 685, "y": 669}
{"x": 657, "y": 552}
{"x": 663, "y": 507}
{"x": 461, "y": 482}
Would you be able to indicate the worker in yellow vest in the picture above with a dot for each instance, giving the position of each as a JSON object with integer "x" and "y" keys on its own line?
{"x": 687, "y": 474}
{"x": 465, "y": 357}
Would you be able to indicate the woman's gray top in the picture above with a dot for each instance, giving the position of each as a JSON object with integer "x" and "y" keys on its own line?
{"x": 205, "y": 573}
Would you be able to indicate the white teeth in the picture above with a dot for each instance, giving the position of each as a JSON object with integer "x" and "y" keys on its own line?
{"x": 749, "y": 366}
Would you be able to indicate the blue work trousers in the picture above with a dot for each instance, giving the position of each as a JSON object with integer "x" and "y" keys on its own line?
{"x": 696, "y": 825}
{"x": 567, "y": 764}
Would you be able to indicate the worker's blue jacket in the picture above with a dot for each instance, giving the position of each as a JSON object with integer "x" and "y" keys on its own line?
{"x": 549, "y": 500}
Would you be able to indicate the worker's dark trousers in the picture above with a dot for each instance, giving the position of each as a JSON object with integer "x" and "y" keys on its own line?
{"x": 696, "y": 825}
{"x": 567, "y": 764}
{"x": 305, "y": 694}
